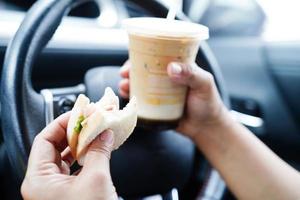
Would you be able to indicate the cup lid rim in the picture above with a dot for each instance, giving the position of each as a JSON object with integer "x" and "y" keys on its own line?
{"x": 153, "y": 26}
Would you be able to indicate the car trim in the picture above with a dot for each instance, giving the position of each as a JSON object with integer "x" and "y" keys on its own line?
{"x": 174, "y": 194}
{"x": 215, "y": 187}
{"x": 50, "y": 94}
{"x": 48, "y": 106}
{"x": 247, "y": 120}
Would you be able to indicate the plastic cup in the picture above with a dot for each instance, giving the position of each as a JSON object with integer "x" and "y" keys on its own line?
{"x": 153, "y": 44}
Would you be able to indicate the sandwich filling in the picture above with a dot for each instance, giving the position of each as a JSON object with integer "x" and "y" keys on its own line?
{"x": 89, "y": 119}
{"x": 78, "y": 125}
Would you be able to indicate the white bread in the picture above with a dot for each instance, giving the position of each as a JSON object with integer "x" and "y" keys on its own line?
{"x": 109, "y": 99}
{"x": 121, "y": 122}
{"x": 77, "y": 111}
{"x": 103, "y": 115}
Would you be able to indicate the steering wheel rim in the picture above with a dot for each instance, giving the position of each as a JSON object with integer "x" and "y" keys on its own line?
{"x": 20, "y": 103}
{"x": 22, "y": 106}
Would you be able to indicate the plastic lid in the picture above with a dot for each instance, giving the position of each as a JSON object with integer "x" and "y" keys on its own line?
{"x": 166, "y": 28}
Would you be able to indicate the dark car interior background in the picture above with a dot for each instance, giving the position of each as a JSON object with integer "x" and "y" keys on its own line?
{"x": 262, "y": 75}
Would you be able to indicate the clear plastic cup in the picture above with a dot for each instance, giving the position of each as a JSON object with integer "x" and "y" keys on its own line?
{"x": 153, "y": 44}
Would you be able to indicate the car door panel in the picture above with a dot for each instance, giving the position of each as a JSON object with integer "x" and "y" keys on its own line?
{"x": 284, "y": 63}
{"x": 248, "y": 75}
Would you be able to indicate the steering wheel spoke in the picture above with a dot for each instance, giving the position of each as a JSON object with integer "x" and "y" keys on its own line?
{"x": 60, "y": 100}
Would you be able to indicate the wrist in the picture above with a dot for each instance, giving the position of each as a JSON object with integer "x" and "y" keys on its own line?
{"x": 219, "y": 122}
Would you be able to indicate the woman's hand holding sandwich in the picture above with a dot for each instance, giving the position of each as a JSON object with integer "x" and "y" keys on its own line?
{"x": 48, "y": 173}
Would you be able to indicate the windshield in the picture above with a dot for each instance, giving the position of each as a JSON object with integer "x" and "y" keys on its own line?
{"x": 282, "y": 19}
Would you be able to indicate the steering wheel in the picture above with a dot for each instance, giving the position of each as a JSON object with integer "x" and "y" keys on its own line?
{"x": 147, "y": 163}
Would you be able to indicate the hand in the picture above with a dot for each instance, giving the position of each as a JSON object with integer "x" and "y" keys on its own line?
{"x": 48, "y": 173}
{"x": 204, "y": 106}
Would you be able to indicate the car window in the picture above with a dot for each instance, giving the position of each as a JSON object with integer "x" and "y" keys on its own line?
{"x": 228, "y": 17}
{"x": 282, "y": 20}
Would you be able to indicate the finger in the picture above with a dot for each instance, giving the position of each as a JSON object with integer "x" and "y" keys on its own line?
{"x": 60, "y": 147}
{"x": 190, "y": 75}
{"x": 98, "y": 154}
{"x": 42, "y": 154}
{"x": 77, "y": 172}
{"x": 124, "y": 88}
{"x": 124, "y": 70}
{"x": 124, "y": 94}
{"x": 124, "y": 85}
{"x": 48, "y": 144}
{"x": 55, "y": 132}
{"x": 66, "y": 156}
{"x": 65, "y": 168}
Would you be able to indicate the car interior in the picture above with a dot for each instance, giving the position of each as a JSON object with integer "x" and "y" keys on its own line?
{"x": 51, "y": 51}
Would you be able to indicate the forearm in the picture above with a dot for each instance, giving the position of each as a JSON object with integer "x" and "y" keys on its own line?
{"x": 250, "y": 169}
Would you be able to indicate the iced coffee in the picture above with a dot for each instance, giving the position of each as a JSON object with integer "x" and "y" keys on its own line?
{"x": 153, "y": 44}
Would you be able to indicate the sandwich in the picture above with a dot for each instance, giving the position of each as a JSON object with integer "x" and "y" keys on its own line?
{"x": 89, "y": 119}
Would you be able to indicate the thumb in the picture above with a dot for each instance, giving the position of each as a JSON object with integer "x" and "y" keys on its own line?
{"x": 190, "y": 75}
{"x": 98, "y": 154}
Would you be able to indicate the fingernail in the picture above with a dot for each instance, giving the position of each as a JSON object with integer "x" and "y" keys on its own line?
{"x": 107, "y": 137}
{"x": 176, "y": 68}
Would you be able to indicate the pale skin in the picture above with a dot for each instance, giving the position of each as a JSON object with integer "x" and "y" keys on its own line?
{"x": 48, "y": 173}
{"x": 250, "y": 169}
